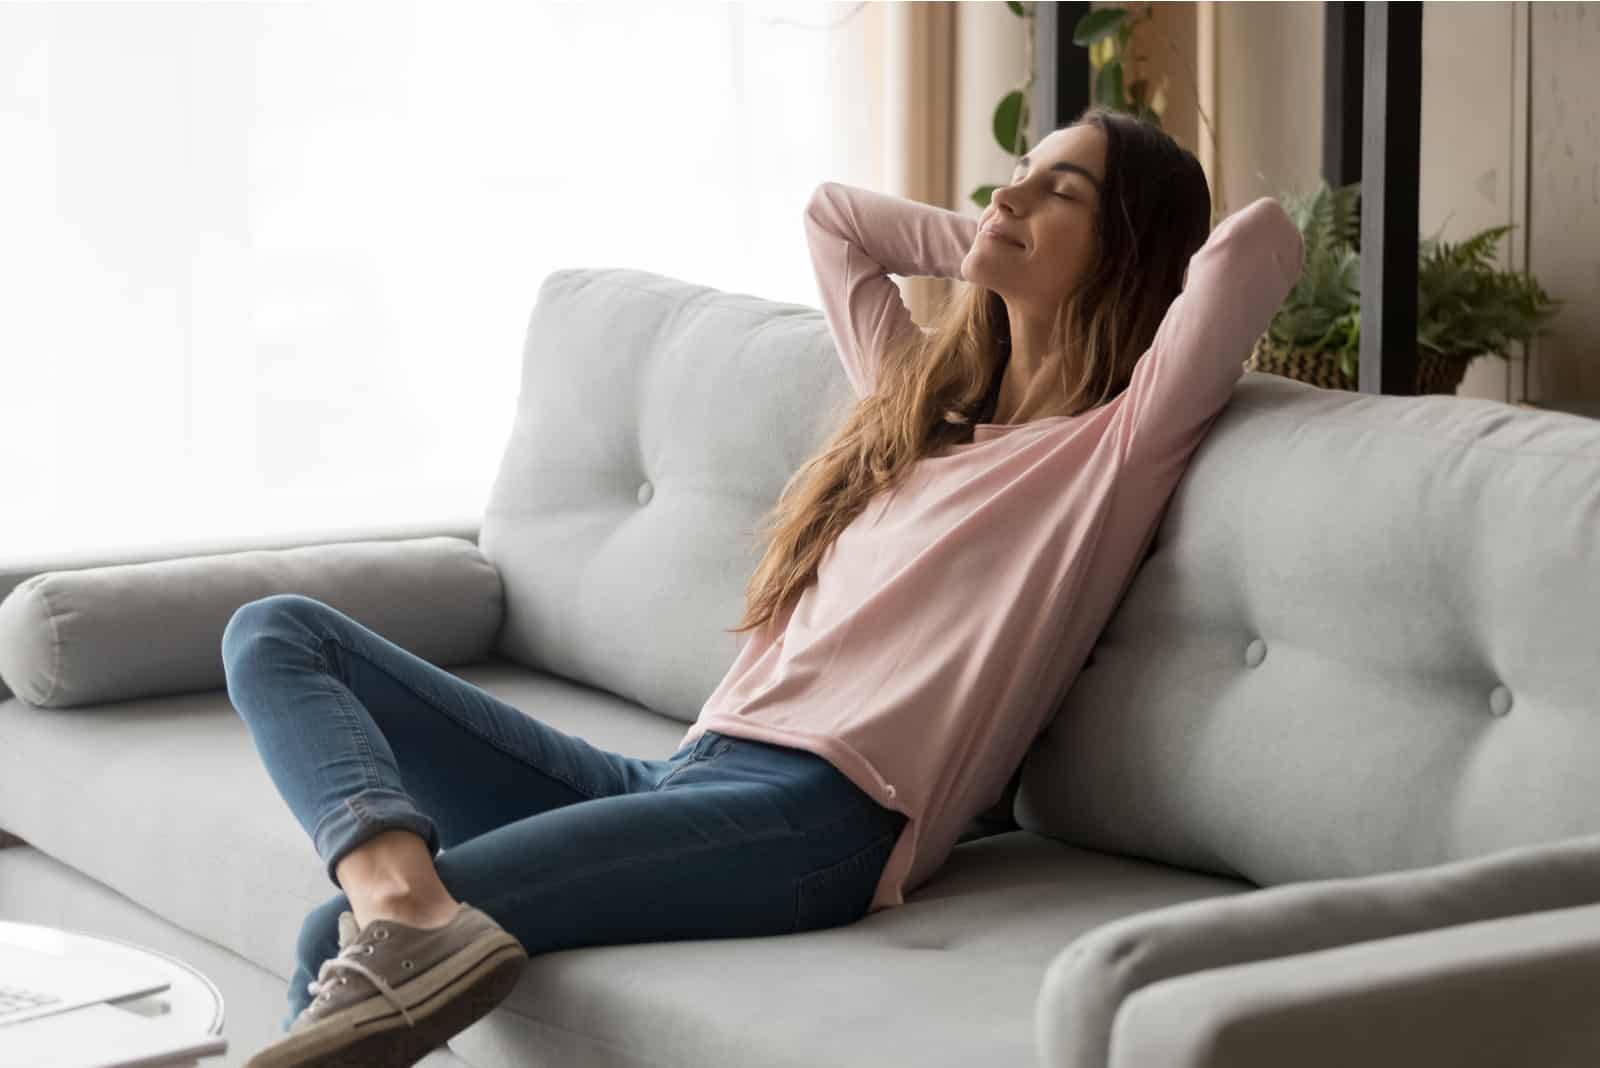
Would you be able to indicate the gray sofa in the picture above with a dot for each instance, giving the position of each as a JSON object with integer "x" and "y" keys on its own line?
{"x": 1327, "y": 792}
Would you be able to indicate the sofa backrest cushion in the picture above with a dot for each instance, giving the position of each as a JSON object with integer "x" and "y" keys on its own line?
{"x": 657, "y": 422}
{"x": 1366, "y": 638}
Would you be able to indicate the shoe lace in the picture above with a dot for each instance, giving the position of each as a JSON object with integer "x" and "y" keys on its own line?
{"x": 345, "y": 961}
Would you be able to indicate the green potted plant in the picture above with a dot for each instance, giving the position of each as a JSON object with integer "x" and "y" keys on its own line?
{"x": 1012, "y": 115}
{"x": 1466, "y": 306}
{"x": 1107, "y": 33}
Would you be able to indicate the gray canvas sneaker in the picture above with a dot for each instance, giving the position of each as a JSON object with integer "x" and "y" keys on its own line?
{"x": 395, "y": 992}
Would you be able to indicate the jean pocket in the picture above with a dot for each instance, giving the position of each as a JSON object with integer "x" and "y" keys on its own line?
{"x": 841, "y": 893}
{"x": 707, "y": 747}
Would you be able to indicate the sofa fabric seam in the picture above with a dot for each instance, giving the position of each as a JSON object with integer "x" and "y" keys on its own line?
{"x": 55, "y": 644}
{"x": 588, "y": 1036}
{"x": 1467, "y": 444}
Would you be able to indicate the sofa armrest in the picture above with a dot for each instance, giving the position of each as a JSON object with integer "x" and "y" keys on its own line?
{"x": 1513, "y": 991}
{"x": 1087, "y": 983}
{"x": 127, "y": 631}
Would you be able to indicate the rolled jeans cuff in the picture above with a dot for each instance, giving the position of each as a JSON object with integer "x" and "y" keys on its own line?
{"x": 364, "y": 816}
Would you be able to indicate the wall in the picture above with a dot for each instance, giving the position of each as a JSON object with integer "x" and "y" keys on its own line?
{"x": 1564, "y": 198}
{"x": 1269, "y": 100}
{"x": 991, "y": 60}
{"x": 1471, "y": 172}
{"x": 1510, "y": 135}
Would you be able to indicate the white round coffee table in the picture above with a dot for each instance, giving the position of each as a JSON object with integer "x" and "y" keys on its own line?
{"x": 193, "y": 1001}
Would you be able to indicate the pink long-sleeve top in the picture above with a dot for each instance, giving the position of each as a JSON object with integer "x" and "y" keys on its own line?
{"x": 949, "y": 619}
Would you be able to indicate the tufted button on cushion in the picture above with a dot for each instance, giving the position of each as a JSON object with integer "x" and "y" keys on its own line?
{"x": 1255, "y": 652}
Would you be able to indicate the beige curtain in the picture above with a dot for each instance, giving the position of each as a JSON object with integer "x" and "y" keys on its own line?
{"x": 911, "y": 51}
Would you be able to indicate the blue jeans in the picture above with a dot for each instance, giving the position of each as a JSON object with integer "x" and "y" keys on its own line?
{"x": 563, "y": 843}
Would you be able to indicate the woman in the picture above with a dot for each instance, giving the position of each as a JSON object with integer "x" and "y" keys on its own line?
{"x": 932, "y": 581}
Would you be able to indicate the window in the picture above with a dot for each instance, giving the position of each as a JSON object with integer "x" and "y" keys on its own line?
{"x": 268, "y": 266}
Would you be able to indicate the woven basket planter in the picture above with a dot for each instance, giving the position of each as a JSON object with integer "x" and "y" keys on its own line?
{"x": 1435, "y": 373}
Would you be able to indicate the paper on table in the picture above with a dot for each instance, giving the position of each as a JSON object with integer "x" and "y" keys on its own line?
{"x": 103, "y": 1036}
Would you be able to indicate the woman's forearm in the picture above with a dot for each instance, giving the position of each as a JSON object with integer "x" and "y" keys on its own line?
{"x": 902, "y": 236}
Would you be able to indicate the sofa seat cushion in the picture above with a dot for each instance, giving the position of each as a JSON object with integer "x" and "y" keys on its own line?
{"x": 950, "y": 978}
{"x": 165, "y": 800}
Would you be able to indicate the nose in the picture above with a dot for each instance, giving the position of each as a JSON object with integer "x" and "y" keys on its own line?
{"x": 1001, "y": 199}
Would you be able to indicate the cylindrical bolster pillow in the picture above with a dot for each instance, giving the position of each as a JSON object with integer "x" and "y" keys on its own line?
{"x": 71, "y": 638}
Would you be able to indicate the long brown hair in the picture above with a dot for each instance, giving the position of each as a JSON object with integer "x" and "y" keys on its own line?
{"x": 932, "y": 387}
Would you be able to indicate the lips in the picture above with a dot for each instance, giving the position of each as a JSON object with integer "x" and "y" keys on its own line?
{"x": 993, "y": 232}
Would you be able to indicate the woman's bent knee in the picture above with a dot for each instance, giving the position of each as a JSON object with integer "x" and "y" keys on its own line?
{"x": 250, "y": 619}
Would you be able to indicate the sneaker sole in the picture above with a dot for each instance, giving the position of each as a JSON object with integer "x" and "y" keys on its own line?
{"x": 443, "y": 1001}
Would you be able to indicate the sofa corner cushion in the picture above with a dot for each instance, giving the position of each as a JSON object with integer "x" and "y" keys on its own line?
{"x": 1516, "y": 989}
{"x": 1090, "y": 980}
{"x": 125, "y": 631}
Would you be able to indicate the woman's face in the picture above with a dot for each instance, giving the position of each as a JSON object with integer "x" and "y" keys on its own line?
{"x": 1046, "y": 215}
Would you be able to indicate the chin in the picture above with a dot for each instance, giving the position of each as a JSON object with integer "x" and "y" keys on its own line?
{"x": 979, "y": 273}
{"x": 989, "y": 282}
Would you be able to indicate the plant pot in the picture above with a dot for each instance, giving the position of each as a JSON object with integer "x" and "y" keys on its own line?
{"x": 1435, "y": 373}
